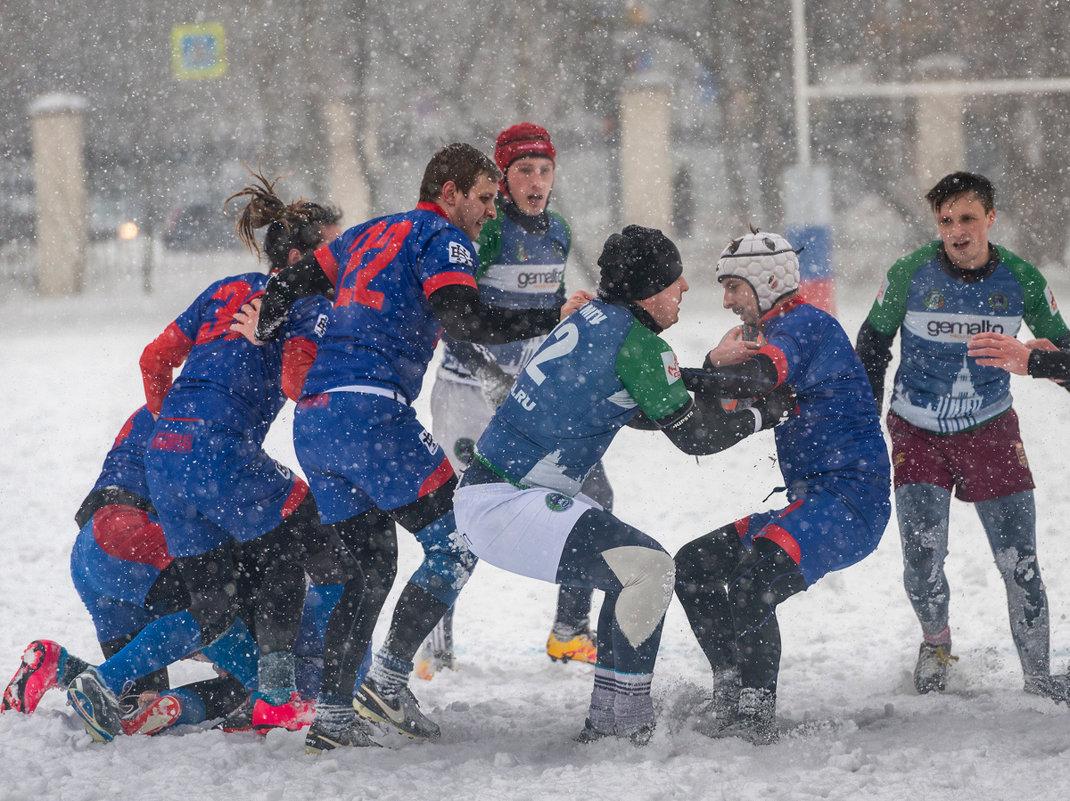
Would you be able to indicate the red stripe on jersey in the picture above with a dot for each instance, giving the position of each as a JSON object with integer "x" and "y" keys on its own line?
{"x": 159, "y": 359}
{"x": 791, "y": 508}
{"x": 442, "y": 474}
{"x": 298, "y": 353}
{"x": 436, "y": 282}
{"x": 127, "y": 533}
{"x": 784, "y": 540}
{"x": 124, "y": 432}
{"x": 742, "y": 526}
{"x": 328, "y": 264}
{"x": 780, "y": 361}
{"x": 297, "y": 494}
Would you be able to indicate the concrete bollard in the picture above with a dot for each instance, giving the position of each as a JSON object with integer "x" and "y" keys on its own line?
{"x": 57, "y": 125}
{"x": 645, "y": 155}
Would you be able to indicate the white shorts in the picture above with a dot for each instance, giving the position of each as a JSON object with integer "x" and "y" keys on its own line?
{"x": 459, "y": 413}
{"x": 522, "y": 531}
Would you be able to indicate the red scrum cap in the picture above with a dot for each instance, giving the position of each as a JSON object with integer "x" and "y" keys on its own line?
{"x": 522, "y": 139}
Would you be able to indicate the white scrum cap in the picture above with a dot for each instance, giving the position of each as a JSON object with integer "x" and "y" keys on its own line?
{"x": 766, "y": 261}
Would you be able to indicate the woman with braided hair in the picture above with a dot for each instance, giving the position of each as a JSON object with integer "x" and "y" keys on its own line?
{"x": 221, "y": 500}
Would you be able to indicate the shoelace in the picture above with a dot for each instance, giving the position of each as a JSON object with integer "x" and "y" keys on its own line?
{"x": 945, "y": 657}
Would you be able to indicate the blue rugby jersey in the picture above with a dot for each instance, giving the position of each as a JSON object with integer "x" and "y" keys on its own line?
{"x": 518, "y": 269}
{"x": 837, "y": 427}
{"x": 226, "y": 379}
{"x": 937, "y": 386}
{"x": 382, "y": 329}
{"x": 593, "y": 373}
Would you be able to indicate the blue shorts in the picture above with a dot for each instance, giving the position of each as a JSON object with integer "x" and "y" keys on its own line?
{"x": 104, "y": 572}
{"x": 114, "y": 589}
{"x": 824, "y": 528}
{"x": 210, "y": 483}
{"x": 361, "y": 450}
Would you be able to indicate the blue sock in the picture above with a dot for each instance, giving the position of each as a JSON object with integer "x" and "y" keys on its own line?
{"x": 236, "y": 652}
{"x": 159, "y": 644}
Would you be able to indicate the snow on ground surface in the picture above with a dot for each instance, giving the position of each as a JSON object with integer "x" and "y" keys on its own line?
{"x": 853, "y": 726}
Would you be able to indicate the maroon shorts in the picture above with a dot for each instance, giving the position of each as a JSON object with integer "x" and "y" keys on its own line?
{"x": 980, "y": 464}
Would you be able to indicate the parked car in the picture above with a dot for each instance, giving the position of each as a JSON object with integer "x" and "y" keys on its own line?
{"x": 18, "y": 210}
{"x": 17, "y": 218}
{"x": 200, "y": 226}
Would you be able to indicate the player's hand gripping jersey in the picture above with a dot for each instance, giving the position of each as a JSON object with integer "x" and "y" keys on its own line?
{"x": 595, "y": 371}
{"x": 938, "y": 308}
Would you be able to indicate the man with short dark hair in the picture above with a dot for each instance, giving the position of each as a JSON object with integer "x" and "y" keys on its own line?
{"x": 397, "y": 281}
{"x": 951, "y": 422}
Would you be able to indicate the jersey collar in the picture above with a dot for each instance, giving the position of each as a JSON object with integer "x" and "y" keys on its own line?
{"x": 781, "y": 309}
{"x": 437, "y": 209}
{"x": 968, "y": 276}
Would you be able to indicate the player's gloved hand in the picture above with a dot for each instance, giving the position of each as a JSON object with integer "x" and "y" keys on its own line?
{"x": 495, "y": 384}
{"x": 776, "y": 407}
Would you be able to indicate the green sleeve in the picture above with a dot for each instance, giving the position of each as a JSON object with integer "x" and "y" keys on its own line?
{"x": 890, "y": 307}
{"x": 568, "y": 232}
{"x": 568, "y": 245}
{"x": 489, "y": 244}
{"x": 1041, "y": 312}
{"x": 649, "y": 371}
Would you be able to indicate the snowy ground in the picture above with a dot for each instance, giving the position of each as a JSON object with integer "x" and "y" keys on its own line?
{"x": 854, "y": 728}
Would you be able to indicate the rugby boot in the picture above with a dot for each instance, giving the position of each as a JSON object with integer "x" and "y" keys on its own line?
{"x": 429, "y": 662}
{"x": 153, "y": 716}
{"x": 401, "y": 712}
{"x": 355, "y": 734}
{"x": 436, "y": 653}
{"x": 96, "y": 705}
{"x": 639, "y": 735}
{"x": 40, "y": 670}
{"x": 723, "y": 707}
{"x": 293, "y": 715}
{"x": 930, "y": 673}
{"x": 589, "y": 734}
{"x": 580, "y": 648}
{"x": 1057, "y": 688}
{"x": 755, "y": 719}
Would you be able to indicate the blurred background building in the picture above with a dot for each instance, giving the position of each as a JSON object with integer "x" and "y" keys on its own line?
{"x": 349, "y": 99}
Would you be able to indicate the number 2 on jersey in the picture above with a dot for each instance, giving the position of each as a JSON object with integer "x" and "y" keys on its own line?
{"x": 386, "y": 240}
{"x": 567, "y": 337}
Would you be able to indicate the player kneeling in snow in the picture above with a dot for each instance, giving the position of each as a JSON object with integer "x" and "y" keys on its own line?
{"x": 835, "y": 467}
{"x": 519, "y": 505}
